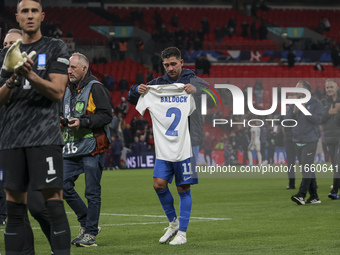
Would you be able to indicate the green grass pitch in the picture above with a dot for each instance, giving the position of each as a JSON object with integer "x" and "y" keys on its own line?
{"x": 229, "y": 216}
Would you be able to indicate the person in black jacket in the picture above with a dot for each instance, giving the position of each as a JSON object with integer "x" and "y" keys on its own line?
{"x": 305, "y": 136}
{"x": 331, "y": 106}
{"x": 290, "y": 151}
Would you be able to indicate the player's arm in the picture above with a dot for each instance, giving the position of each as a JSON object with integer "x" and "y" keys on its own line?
{"x": 135, "y": 92}
{"x": 6, "y": 89}
{"x": 53, "y": 89}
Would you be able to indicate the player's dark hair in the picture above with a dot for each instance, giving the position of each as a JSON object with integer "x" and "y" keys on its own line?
{"x": 38, "y": 1}
{"x": 171, "y": 52}
{"x": 306, "y": 85}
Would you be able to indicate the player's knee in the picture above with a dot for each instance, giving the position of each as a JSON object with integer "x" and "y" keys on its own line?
{"x": 158, "y": 186}
{"x": 15, "y": 196}
{"x": 15, "y": 210}
{"x": 183, "y": 188}
{"x": 53, "y": 194}
{"x": 56, "y": 211}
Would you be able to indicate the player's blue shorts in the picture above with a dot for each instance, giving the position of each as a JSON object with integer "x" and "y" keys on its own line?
{"x": 183, "y": 171}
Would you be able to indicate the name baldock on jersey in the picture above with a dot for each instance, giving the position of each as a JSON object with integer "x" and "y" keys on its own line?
{"x": 169, "y": 106}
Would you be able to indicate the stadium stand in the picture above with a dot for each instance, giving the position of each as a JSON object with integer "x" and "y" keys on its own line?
{"x": 78, "y": 20}
{"x": 303, "y": 18}
{"x": 191, "y": 18}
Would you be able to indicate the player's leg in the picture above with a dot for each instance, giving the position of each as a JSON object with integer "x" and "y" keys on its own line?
{"x": 60, "y": 229}
{"x": 15, "y": 228}
{"x": 29, "y": 238}
{"x": 258, "y": 153}
{"x": 263, "y": 152}
{"x": 185, "y": 205}
{"x": 93, "y": 168}
{"x": 259, "y": 157}
{"x": 309, "y": 179}
{"x": 3, "y": 213}
{"x": 183, "y": 174}
{"x": 250, "y": 157}
{"x": 37, "y": 208}
{"x": 336, "y": 183}
{"x": 332, "y": 151}
{"x": 167, "y": 202}
{"x": 291, "y": 157}
{"x": 46, "y": 171}
{"x": 163, "y": 174}
{"x": 15, "y": 184}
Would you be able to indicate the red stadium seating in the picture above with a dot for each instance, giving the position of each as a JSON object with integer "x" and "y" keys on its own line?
{"x": 303, "y": 18}
{"x": 191, "y": 18}
{"x": 78, "y": 20}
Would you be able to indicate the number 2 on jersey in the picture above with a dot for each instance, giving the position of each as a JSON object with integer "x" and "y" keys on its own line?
{"x": 171, "y": 130}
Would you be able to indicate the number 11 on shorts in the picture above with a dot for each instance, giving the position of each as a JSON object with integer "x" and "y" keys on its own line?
{"x": 187, "y": 168}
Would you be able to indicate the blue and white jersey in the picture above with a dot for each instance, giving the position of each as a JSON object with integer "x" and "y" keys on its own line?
{"x": 169, "y": 106}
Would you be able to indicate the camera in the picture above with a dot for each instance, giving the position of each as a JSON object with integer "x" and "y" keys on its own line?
{"x": 64, "y": 122}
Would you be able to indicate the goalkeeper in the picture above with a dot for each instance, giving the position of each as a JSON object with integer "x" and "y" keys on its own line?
{"x": 30, "y": 139}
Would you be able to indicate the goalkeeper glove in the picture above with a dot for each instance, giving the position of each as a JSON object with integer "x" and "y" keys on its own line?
{"x": 14, "y": 60}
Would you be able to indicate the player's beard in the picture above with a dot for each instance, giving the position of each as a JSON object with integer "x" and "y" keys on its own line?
{"x": 173, "y": 75}
{"x": 31, "y": 31}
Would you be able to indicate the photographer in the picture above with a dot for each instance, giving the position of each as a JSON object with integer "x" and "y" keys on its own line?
{"x": 86, "y": 113}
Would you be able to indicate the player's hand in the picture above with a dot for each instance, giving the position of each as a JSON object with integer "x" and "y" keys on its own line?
{"x": 14, "y": 60}
{"x": 23, "y": 63}
{"x": 190, "y": 89}
{"x": 142, "y": 88}
{"x": 74, "y": 123}
{"x": 26, "y": 67}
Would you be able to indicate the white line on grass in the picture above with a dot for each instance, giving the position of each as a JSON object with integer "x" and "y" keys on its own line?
{"x": 133, "y": 223}
{"x": 192, "y": 219}
{"x": 158, "y": 216}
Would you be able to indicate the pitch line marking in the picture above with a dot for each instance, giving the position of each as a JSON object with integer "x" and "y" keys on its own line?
{"x": 122, "y": 224}
{"x": 155, "y": 216}
{"x": 159, "y": 216}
